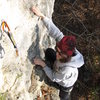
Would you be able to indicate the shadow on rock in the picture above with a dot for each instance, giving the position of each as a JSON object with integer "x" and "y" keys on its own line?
{"x": 39, "y": 72}
{"x": 33, "y": 52}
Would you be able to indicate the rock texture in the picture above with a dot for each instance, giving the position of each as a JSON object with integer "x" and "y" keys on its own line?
{"x": 19, "y": 79}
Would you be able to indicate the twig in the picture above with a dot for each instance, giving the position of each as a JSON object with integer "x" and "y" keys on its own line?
{"x": 67, "y": 29}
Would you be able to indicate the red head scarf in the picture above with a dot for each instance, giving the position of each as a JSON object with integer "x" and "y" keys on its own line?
{"x": 67, "y": 45}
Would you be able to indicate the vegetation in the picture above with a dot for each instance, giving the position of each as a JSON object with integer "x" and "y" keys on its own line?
{"x": 81, "y": 18}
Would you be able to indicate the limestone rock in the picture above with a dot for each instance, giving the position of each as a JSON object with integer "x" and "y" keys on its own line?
{"x": 31, "y": 37}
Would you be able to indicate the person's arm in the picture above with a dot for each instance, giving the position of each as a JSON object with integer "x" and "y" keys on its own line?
{"x": 47, "y": 70}
{"x": 37, "y": 12}
{"x": 53, "y": 30}
{"x": 50, "y": 73}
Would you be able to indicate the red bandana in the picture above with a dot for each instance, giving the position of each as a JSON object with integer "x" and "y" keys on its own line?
{"x": 67, "y": 45}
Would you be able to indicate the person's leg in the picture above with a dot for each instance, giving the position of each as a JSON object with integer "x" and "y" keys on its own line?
{"x": 50, "y": 57}
{"x": 65, "y": 93}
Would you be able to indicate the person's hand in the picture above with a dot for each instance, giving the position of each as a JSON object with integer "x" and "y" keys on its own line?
{"x": 40, "y": 62}
{"x": 37, "y": 12}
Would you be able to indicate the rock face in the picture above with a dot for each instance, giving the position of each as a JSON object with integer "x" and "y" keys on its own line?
{"x": 19, "y": 79}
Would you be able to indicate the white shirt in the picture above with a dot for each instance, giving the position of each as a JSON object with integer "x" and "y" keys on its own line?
{"x": 67, "y": 73}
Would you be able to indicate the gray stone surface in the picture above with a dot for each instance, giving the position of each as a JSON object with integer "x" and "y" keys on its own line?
{"x": 18, "y": 77}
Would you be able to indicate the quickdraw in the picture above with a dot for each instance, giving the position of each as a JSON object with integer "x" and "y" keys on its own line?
{"x": 5, "y": 28}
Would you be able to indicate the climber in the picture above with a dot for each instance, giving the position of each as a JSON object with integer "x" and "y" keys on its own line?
{"x": 65, "y": 59}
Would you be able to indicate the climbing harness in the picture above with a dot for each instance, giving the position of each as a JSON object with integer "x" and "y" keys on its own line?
{"x": 5, "y": 28}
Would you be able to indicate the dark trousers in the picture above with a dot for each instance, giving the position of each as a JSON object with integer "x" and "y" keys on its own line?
{"x": 50, "y": 57}
{"x": 65, "y": 93}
